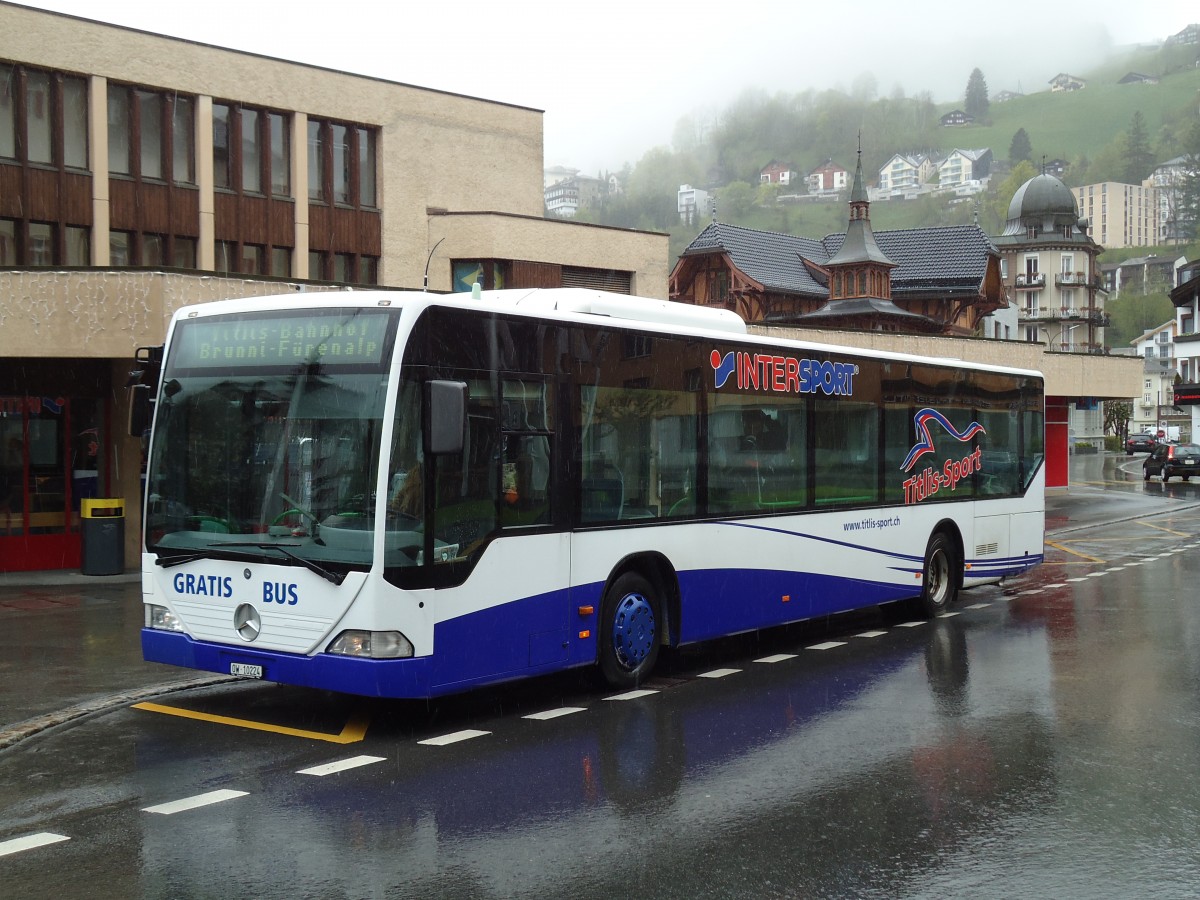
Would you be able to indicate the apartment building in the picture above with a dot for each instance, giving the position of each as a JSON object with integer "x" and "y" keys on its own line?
{"x": 1121, "y": 215}
{"x": 140, "y": 173}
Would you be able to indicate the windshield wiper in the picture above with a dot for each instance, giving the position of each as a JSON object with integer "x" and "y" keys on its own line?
{"x": 334, "y": 577}
{"x": 179, "y": 559}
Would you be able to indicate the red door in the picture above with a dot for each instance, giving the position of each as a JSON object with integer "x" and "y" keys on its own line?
{"x": 50, "y": 456}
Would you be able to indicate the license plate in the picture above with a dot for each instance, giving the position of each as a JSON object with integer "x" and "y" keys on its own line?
{"x": 1189, "y": 462}
{"x": 245, "y": 670}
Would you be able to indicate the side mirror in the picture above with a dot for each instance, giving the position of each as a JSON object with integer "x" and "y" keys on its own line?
{"x": 445, "y": 416}
{"x": 143, "y": 385}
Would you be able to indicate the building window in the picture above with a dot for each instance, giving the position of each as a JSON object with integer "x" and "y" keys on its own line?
{"x": 183, "y": 131}
{"x": 153, "y": 250}
{"x": 150, "y": 134}
{"x": 316, "y": 162}
{"x": 78, "y": 249}
{"x": 41, "y": 244}
{"x": 120, "y": 248}
{"x": 75, "y": 123}
{"x": 220, "y": 124}
{"x": 43, "y": 117}
{"x": 342, "y": 163}
{"x": 281, "y": 262}
{"x": 252, "y": 160}
{"x": 252, "y": 259}
{"x": 8, "y": 242}
{"x": 118, "y": 130}
{"x": 226, "y": 256}
{"x": 250, "y": 150}
{"x": 183, "y": 253}
{"x": 366, "y": 167}
{"x": 38, "y": 117}
{"x": 281, "y": 155}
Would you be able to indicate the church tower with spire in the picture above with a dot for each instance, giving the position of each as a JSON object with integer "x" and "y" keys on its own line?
{"x": 860, "y": 284}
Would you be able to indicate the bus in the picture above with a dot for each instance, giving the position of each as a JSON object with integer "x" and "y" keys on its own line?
{"x": 401, "y": 494}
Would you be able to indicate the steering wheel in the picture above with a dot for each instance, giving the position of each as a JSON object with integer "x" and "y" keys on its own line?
{"x": 294, "y": 511}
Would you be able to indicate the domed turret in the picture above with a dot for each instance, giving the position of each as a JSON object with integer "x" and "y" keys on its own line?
{"x": 1042, "y": 203}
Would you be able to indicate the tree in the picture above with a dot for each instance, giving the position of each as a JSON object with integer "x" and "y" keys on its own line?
{"x": 1117, "y": 414}
{"x": 734, "y": 201}
{"x": 976, "y": 102}
{"x": 1020, "y": 149}
{"x": 1139, "y": 159}
{"x": 994, "y": 213}
{"x": 1188, "y": 210}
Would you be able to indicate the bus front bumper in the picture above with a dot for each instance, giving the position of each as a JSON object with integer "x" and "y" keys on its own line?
{"x": 400, "y": 678}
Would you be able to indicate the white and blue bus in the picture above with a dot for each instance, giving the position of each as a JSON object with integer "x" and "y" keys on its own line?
{"x": 408, "y": 495}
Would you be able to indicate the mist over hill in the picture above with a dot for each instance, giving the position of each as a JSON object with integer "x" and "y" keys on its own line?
{"x": 724, "y": 153}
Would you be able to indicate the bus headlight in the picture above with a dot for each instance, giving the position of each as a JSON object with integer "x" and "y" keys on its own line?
{"x": 162, "y": 618}
{"x": 372, "y": 644}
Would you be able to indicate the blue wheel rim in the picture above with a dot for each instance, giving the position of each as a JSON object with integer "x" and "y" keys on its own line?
{"x": 633, "y": 631}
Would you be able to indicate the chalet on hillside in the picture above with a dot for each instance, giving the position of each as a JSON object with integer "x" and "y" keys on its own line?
{"x": 1138, "y": 78}
{"x": 1064, "y": 82}
{"x": 827, "y": 178}
{"x": 955, "y": 117}
{"x": 776, "y": 172}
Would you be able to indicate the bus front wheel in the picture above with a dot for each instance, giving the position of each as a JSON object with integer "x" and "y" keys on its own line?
{"x": 630, "y": 622}
{"x": 939, "y": 581}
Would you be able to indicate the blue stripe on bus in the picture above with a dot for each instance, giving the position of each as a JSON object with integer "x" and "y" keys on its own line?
{"x": 542, "y": 634}
{"x": 718, "y": 602}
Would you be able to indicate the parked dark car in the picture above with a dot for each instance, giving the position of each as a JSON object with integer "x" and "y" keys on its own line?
{"x": 1168, "y": 460}
{"x": 1140, "y": 443}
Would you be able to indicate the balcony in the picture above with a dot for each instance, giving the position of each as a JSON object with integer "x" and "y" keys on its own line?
{"x": 1070, "y": 279}
{"x": 1028, "y": 281}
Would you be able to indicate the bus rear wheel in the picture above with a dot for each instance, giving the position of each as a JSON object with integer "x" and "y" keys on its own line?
{"x": 629, "y": 631}
{"x": 939, "y": 581}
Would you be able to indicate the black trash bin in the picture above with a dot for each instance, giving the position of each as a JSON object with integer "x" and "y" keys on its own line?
{"x": 103, "y": 536}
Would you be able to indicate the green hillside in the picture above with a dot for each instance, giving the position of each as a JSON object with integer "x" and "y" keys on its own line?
{"x": 1081, "y": 123}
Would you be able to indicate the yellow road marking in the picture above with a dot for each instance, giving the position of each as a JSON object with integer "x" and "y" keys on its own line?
{"x": 355, "y": 730}
{"x": 1074, "y": 552}
{"x": 1167, "y": 530}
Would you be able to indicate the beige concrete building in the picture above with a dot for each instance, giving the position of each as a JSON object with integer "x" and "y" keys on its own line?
{"x": 1120, "y": 215}
{"x": 139, "y": 173}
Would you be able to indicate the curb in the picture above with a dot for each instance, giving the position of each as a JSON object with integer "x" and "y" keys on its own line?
{"x": 14, "y": 734}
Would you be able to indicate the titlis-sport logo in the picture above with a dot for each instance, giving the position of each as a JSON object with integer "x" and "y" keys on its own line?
{"x": 929, "y": 481}
{"x": 783, "y": 374}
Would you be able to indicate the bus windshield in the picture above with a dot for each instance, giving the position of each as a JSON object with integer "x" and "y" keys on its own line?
{"x": 267, "y": 437}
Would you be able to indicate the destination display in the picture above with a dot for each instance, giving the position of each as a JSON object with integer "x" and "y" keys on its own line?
{"x": 334, "y": 338}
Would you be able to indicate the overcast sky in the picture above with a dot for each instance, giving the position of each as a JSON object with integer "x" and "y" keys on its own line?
{"x": 613, "y": 77}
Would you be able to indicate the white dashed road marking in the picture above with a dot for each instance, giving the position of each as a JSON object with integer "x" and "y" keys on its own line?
{"x": 16, "y": 845}
{"x": 827, "y": 645}
{"x": 188, "y": 803}
{"x": 910, "y": 624}
{"x": 554, "y": 713}
{"x": 871, "y": 634}
{"x": 341, "y": 765}
{"x": 631, "y": 695}
{"x": 718, "y": 673}
{"x": 776, "y": 658}
{"x": 453, "y": 737}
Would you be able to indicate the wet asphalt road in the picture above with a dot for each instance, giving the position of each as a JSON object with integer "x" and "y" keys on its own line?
{"x": 1042, "y": 741}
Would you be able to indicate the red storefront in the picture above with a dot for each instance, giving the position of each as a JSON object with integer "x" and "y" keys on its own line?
{"x": 55, "y": 450}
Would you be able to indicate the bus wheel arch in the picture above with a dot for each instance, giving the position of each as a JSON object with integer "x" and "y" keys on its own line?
{"x": 941, "y": 570}
{"x": 638, "y": 610}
